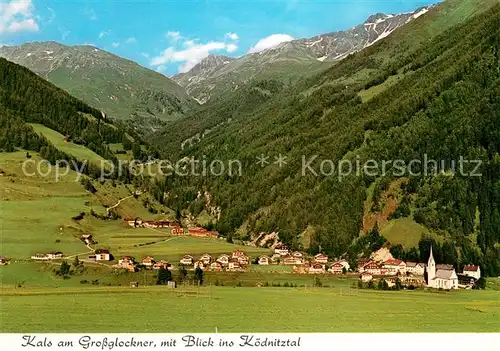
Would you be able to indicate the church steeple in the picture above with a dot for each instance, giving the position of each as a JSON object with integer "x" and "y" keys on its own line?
{"x": 431, "y": 267}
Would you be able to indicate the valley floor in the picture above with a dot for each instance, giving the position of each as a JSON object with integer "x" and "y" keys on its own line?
{"x": 246, "y": 309}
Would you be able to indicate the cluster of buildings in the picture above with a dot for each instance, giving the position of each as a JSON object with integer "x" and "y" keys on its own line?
{"x": 174, "y": 225}
{"x": 235, "y": 262}
{"x": 130, "y": 264}
{"x": 439, "y": 276}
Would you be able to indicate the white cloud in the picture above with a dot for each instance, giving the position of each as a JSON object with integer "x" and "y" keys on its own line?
{"x": 232, "y": 36}
{"x": 115, "y": 44}
{"x": 191, "y": 55}
{"x": 231, "y": 47}
{"x": 173, "y": 35}
{"x": 145, "y": 54}
{"x": 17, "y": 16}
{"x": 270, "y": 42}
{"x": 131, "y": 40}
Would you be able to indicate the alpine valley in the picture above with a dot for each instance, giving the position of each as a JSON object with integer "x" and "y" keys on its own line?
{"x": 80, "y": 223}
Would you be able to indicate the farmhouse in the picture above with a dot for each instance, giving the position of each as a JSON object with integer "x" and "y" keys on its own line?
{"x": 297, "y": 254}
{"x": 161, "y": 264}
{"x": 234, "y": 265}
{"x": 3, "y": 260}
{"x": 290, "y": 260}
{"x": 187, "y": 260}
{"x": 440, "y": 278}
{"x": 336, "y": 268}
{"x": 362, "y": 263}
{"x": 216, "y": 266}
{"x": 206, "y": 259}
{"x": 394, "y": 266}
{"x": 321, "y": 258}
{"x": 223, "y": 259}
{"x": 127, "y": 262}
{"x": 148, "y": 262}
{"x": 472, "y": 271}
{"x": 281, "y": 250}
{"x": 374, "y": 269}
{"x": 243, "y": 260}
{"x": 415, "y": 268}
{"x": 102, "y": 255}
{"x": 237, "y": 253}
{"x": 263, "y": 260}
{"x": 316, "y": 268}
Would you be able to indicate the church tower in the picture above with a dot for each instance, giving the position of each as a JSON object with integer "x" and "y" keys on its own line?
{"x": 431, "y": 268}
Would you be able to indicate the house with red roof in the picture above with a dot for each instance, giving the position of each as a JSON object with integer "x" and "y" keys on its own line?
{"x": 321, "y": 258}
{"x": 472, "y": 271}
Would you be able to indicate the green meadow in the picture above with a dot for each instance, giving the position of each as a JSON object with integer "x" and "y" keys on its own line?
{"x": 57, "y": 139}
{"x": 236, "y": 309}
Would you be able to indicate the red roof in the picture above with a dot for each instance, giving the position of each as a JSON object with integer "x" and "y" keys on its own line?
{"x": 393, "y": 262}
{"x": 471, "y": 268}
{"x": 102, "y": 251}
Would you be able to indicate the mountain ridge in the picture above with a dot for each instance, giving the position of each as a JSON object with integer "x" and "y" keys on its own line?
{"x": 118, "y": 86}
{"x": 208, "y": 79}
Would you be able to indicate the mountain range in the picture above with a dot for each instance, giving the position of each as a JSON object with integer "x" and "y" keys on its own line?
{"x": 217, "y": 74}
{"x": 121, "y": 88}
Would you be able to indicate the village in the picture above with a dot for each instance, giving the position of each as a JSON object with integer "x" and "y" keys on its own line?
{"x": 381, "y": 266}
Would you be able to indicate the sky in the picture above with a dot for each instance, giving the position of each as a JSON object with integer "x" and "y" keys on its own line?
{"x": 171, "y": 36}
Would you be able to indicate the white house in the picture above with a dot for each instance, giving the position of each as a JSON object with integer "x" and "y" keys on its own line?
{"x": 394, "y": 266}
{"x": 264, "y": 260}
{"x": 321, "y": 258}
{"x": 415, "y": 268}
{"x": 187, "y": 260}
{"x": 440, "y": 278}
{"x": 206, "y": 259}
{"x": 223, "y": 259}
{"x": 281, "y": 250}
{"x": 472, "y": 271}
{"x": 316, "y": 268}
{"x": 102, "y": 255}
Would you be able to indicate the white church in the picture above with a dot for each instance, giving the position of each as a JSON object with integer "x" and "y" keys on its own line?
{"x": 442, "y": 278}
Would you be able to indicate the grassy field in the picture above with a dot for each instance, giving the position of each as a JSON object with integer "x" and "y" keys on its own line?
{"x": 234, "y": 309}
{"x": 57, "y": 139}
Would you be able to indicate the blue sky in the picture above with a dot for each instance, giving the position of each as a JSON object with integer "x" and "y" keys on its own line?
{"x": 171, "y": 36}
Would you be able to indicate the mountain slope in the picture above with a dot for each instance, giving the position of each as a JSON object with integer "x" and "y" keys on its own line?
{"x": 439, "y": 99}
{"x": 121, "y": 88}
{"x": 289, "y": 61}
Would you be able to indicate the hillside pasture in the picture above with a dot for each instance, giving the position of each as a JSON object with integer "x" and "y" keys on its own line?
{"x": 58, "y": 140}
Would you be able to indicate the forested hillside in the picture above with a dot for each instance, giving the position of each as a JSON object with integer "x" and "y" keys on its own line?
{"x": 126, "y": 91}
{"x": 423, "y": 91}
{"x": 27, "y": 98}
